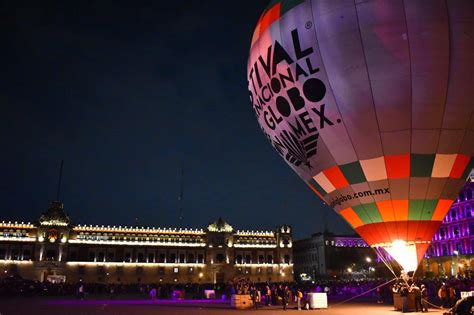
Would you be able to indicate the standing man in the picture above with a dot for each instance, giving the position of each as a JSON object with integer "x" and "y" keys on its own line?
{"x": 299, "y": 296}
{"x": 443, "y": 295}
{"x": 417, "y": 292}
{"x": 254, "y": 296}
{"x": 404, "y": 294}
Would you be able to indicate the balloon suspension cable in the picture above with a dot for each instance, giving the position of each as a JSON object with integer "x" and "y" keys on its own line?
{"x": 364, "y": 293}
{"x": 434, "y": 305}
{"x": 387, "y": 263}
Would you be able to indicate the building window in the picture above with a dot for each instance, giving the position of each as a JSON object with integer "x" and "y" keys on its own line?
{"x": 140, "y": 257}
{"x": 151, "y": 257}
{"x": 261, "y": 259}
{"x": 3, "y": 253}
{"x": 110, "y": 256}
{"x": 287, "y": 259}
{"x": 459, "y": 248}
{"x": 248, "y": 259}
{"x": 248, "y": 271}
{"x": 175, "y": 270}
{"x": 173, "y": 258}
{"x": 50, "y": 254}
{"x": 182, "y": 259}
{"x": 14, "y": 254}
{"x": 270, "y": 259}
{"x": 471, "y": 228}
{"x": 161, "y": 271}
{"x": 190, "y": 270}
{"x": 161, "y": 258}
{"x": 191, "y": 258}
{"x": 72, "y": 255}
{"x": 26, "y": 254}
{"x": 259, "y": 270}
{"x": 239, "y": 259}
{"x": 220, "y": 258}
{"x": 270, "y": 270}
{"x": 200, "y": 258}
{"x": 128, "y": 257}
{"x": 101, "y": 256}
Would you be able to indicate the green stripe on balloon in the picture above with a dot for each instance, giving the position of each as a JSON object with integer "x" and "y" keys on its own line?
{"x": 421, "y": 165}
{"x": 353, "y": 173}
{"x": 368, "y": 213}
{"x": 421, "y": 209}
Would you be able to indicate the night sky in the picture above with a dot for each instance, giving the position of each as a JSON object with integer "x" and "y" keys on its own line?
{"x": 128, "y": 93}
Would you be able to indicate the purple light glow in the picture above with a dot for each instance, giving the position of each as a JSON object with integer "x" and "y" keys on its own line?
{"x": 77, "y": 302}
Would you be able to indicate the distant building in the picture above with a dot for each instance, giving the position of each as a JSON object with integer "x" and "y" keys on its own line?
{"x": 54, "y": 249}
{"x": 453, "y": 244}
{"x": 327, "y": 255}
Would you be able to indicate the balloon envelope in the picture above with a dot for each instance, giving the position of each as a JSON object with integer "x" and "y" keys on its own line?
{"x": 371, "y": 104}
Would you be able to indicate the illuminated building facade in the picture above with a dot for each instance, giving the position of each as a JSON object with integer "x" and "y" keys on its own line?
{"x": 453, "y": 244}
{"x": 57, "y": 250}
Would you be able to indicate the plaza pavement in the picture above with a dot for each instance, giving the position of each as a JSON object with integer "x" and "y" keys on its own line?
{"x": 68, "y": 306}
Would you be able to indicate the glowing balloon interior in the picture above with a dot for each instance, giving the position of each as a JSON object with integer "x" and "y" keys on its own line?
{"x": 371, "y": 104}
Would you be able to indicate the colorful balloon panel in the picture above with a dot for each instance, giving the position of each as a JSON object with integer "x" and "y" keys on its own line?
{"x": 371, "y": 104}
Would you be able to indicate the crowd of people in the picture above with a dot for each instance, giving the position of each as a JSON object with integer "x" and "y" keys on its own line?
{"x": 445, "y": 292}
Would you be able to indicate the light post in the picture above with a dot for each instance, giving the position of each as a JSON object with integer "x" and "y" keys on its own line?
{"x": 455, "y": 252}
{"x": 369, "y": 260}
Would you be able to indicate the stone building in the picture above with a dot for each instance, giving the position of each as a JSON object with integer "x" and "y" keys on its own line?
{"x": 452, "y": 247}
{"x": 54, "y": 249}
{"x": 328, "y": 255}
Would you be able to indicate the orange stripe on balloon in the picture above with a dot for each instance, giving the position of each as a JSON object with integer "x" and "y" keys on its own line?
{"x": 459, "y": 166}
{"x": 400, "y": 209}
{"x": 336, "y": 177}
{"x": 386, "y": 210}
{"x": 351, "y": 216}
{"x": 441, "y": 209}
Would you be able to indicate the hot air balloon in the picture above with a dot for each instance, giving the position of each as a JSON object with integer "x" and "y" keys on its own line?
{"x": 371, "y": 103}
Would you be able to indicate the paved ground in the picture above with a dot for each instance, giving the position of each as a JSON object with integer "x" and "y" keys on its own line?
{"x": 45, "y": 306}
